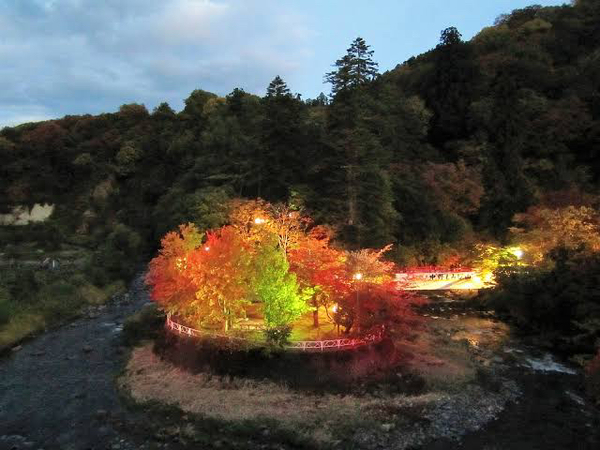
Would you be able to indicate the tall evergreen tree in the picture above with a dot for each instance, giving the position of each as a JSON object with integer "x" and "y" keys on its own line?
{"x": 451, "y": 87}
{"x": 356, "y": 181}
{"x": 283, "y": 141}
{"x": 277, "y": 88}
{"x": 355, "y": 68}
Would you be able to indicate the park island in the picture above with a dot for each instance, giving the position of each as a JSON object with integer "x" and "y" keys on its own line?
{"x": 237, "y": 260}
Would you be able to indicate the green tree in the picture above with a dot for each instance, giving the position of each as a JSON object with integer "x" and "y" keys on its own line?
{"x": 277, "y": 88}
{"x": 355, "y": 68}
{"x": 283, "y": 157}
{"x": 276, "y": 287}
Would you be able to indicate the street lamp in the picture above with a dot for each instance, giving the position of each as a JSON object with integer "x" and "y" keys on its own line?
{"x": 357, "y": 276}
{"x": 518, "y": 253}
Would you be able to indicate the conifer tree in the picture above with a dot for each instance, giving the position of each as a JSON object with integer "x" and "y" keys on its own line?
{"x": 355, "y": 68}
{"x": 277, "y": 88}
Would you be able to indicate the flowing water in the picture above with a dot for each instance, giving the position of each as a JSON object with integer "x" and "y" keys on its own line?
{"x": 58, "y": 390}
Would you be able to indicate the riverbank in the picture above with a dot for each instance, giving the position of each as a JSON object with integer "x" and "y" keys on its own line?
{"x": 480, "y": 387}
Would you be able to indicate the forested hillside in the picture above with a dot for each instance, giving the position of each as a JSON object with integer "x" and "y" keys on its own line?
{"x": 437, "y": 154}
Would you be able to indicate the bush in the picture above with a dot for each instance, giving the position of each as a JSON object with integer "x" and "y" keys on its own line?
{"x": 5, "y": 309}
{"x": 117, "y": 258}
{"x": 278, "y": 336}
{"x": 562, "y": 303}
{"x": 58, "y": 301}
{"x": 4, "y": 312}
{"x": 144, "y": 324}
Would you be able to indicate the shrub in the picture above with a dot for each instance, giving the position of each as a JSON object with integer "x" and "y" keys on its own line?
{"x": 58, "y": 301}
{"x": 117, "y": 257}
{"x": 4, "y": 312}
{"x": 144, "y": 324}
{"x": 278, "y": 336}
{"x": 91, "y": 294}
{"x": 562, "y": 303}
{"x": 4, "y": 306}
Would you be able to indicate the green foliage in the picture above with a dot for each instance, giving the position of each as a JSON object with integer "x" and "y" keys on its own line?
{"x": 206, "y": 208}
{"x": 490, "y": 259}
{"x": 278, "y": 336}
{"x": 561, "y": 303}
{"x": 127, "y": 158}
{"x": 354, "y": 69}
{"x": 33, "y": 299}
{"x": 5, "y": 312}
{"x": 276, "y": 287}
{"x": 117, "y": 256}
{"x": 144, "y": 324}
{"x": 452, "y": 142}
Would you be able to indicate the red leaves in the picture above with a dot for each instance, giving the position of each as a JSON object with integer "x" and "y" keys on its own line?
{"x": 317, "y": 264}
{"x": 171, "y": 283}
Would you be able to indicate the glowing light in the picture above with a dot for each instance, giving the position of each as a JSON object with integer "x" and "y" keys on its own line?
{"x": 259, "y": 220}
{"x": 517, "y": 252}
{"x": 358, "y": 276}
{"x": 207, "y": 248}
{"x": 181, "y": 263}
{"x": 335, "y": 308}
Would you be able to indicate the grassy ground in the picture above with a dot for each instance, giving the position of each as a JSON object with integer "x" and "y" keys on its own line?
{"x": 324, "y": 419}
{"x": 440, "y": 356}
{"x": 303, "y": 329}
{"x": 57, "y": 298}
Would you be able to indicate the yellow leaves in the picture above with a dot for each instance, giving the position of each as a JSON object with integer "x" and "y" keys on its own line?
{"x": 542, "y": 229}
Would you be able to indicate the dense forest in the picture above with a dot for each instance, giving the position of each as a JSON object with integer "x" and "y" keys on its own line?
{"x": 447, "y": 146}
{"x": 434, "y": 155}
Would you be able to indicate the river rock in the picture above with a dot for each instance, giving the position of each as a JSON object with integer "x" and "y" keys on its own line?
{"x": 387, "y": 427}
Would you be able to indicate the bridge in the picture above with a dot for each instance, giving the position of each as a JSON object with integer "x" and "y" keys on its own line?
{"x": 425, "y": 278}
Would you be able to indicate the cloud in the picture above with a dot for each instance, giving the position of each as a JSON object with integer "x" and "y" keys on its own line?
{"x": 83, "y": 56}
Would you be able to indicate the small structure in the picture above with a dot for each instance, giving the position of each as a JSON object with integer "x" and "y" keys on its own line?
{"x": 50, "y": 264}
{"x": 432, "y": 273}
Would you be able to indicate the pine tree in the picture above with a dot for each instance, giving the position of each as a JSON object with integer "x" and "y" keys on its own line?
{"x": 356, "y": 181}
{"x": 282, "y": 141}
{"x": 355, "y": 68}
{"x": 278, "y": 88}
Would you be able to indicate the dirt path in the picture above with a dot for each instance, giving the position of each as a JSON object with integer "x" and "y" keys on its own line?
{"x": 58, "y": 390}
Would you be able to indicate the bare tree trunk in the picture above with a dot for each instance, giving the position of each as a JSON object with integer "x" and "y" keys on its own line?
{"x": 316, "y": 317}
{"x": 226, "y": 321}
{"x": 351, "y": 188}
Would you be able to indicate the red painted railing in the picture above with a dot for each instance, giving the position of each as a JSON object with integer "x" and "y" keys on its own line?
{"x": 328, "y": 344}
{"x": 435, "y": 269}
{"x": 331, "y": 344}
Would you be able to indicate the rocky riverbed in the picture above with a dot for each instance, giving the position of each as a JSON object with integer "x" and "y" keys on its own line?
{"x": 59, "y": 391}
